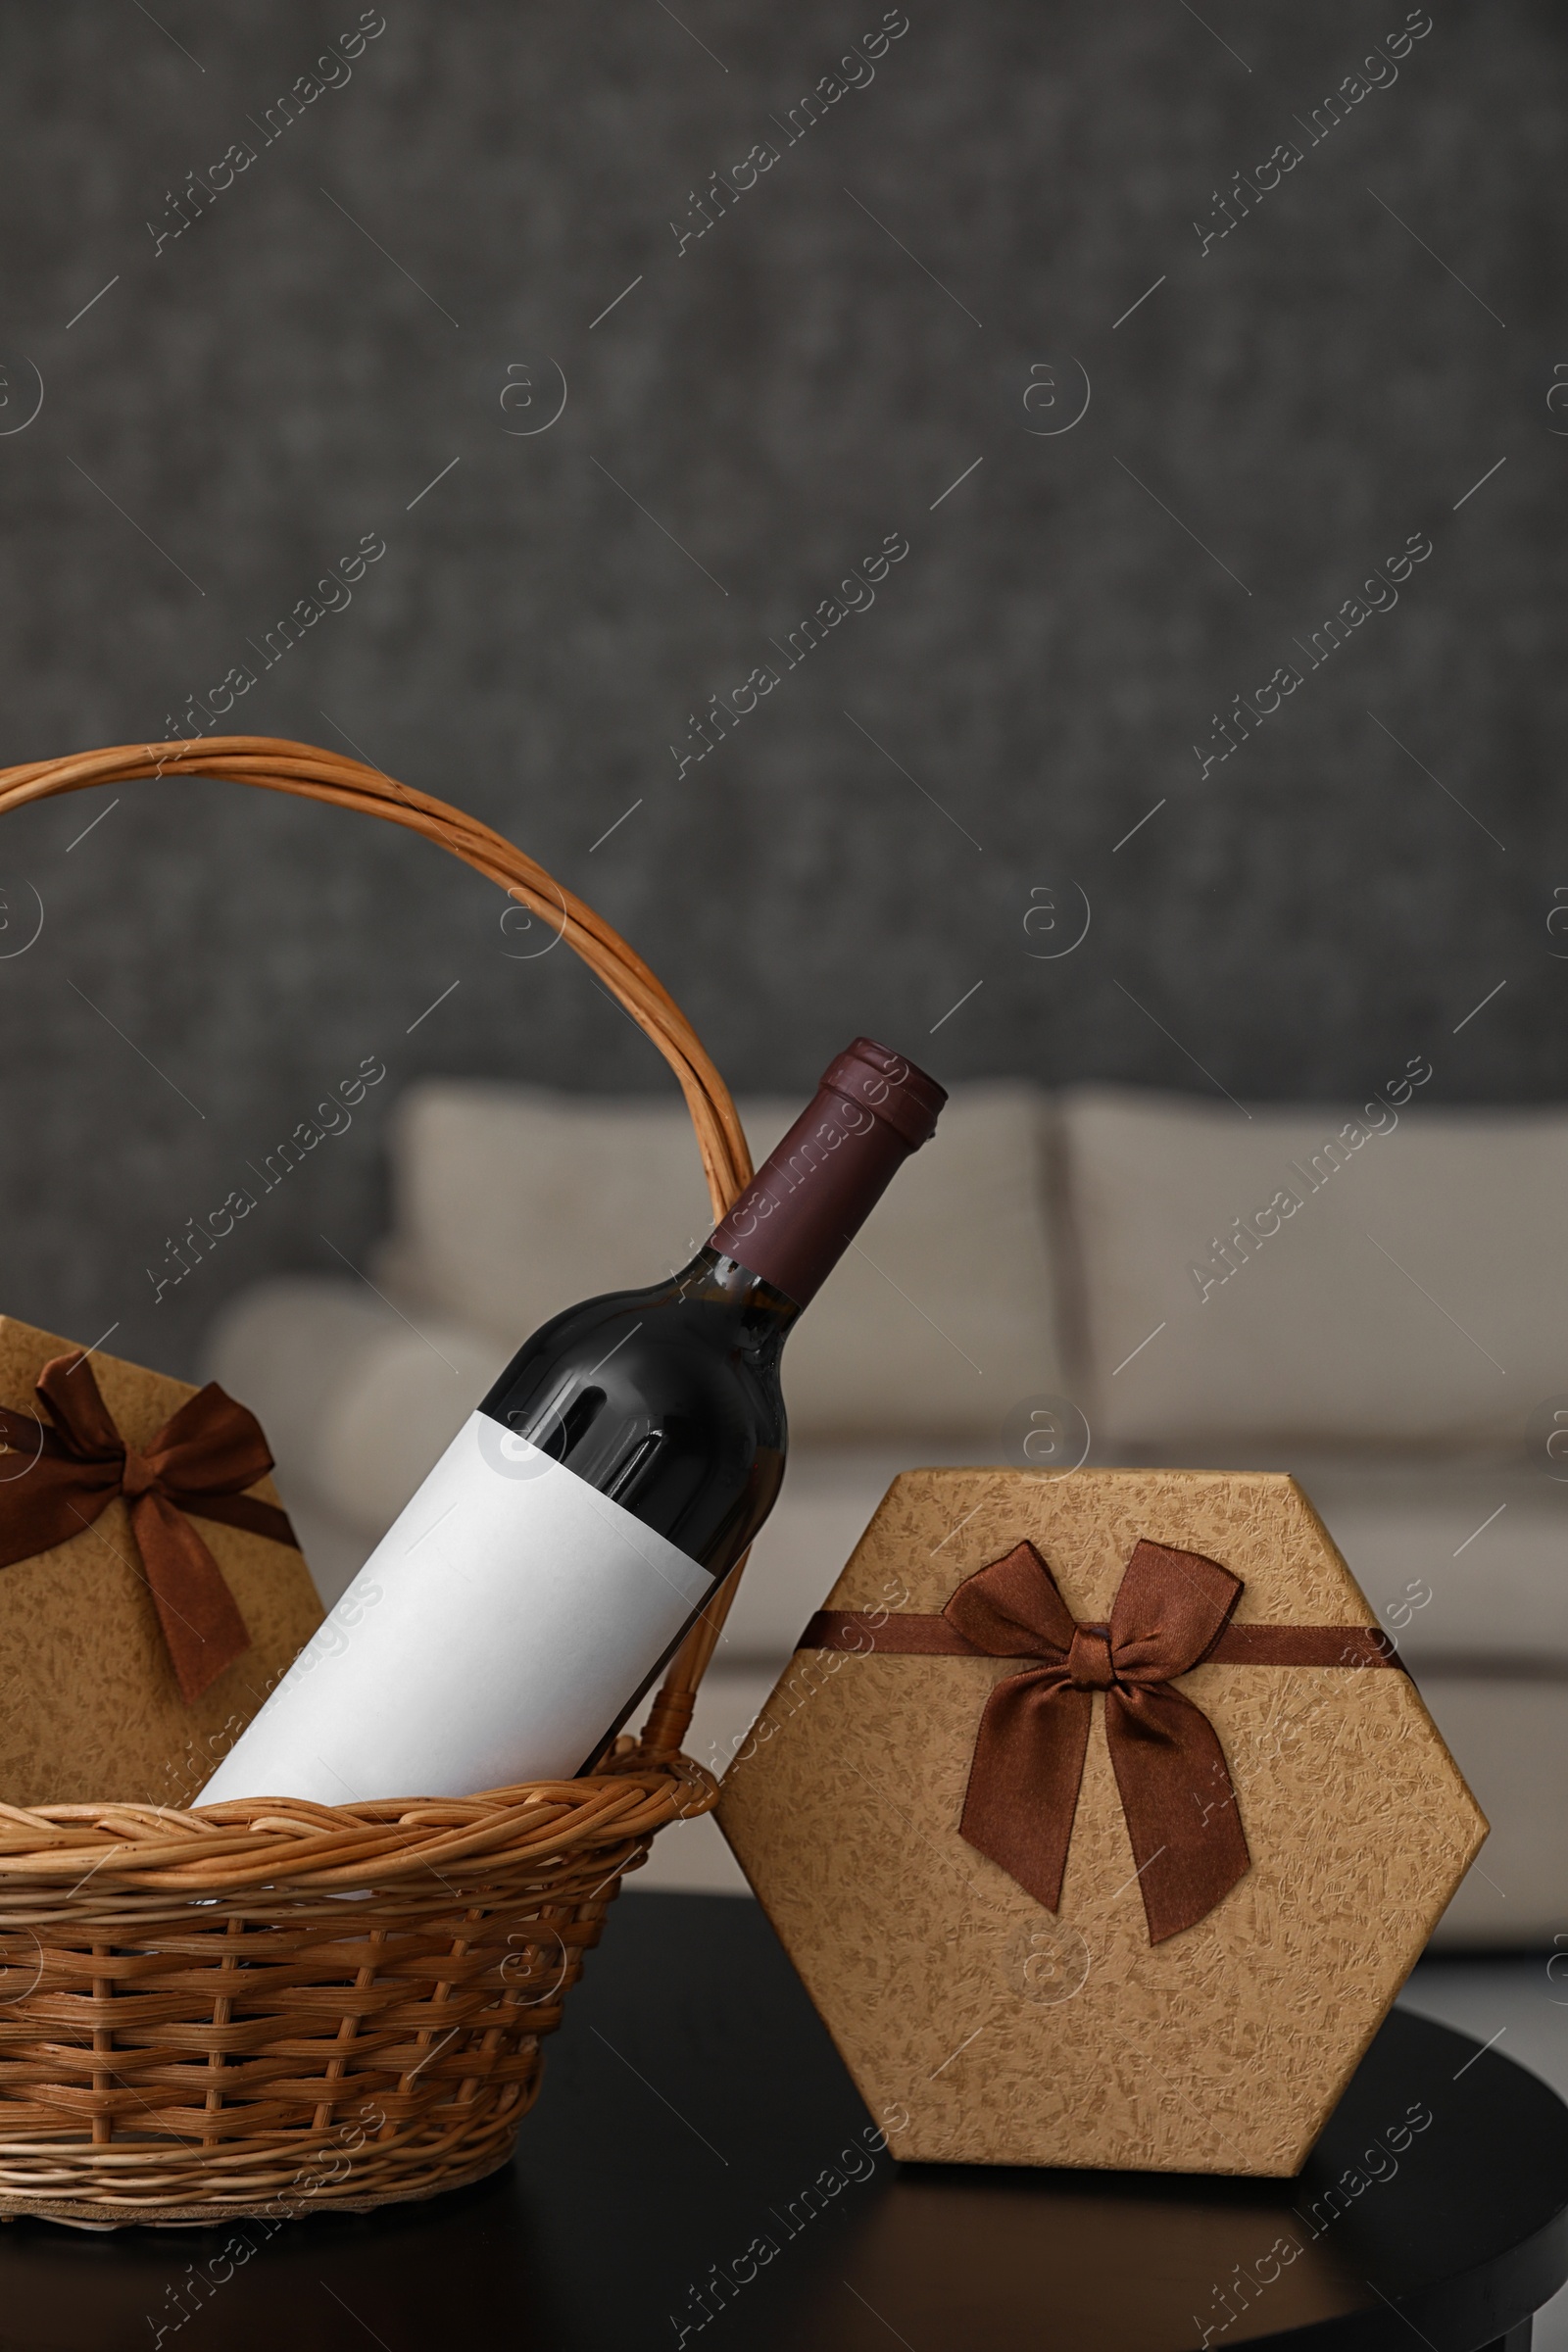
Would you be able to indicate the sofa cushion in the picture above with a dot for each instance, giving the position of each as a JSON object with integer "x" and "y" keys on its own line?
{"x": 1509, "y": 1735}
{"x": 510, "y": 1203}
{"x": 357, "y": 1402}
{"x": 1384, "y": 1274}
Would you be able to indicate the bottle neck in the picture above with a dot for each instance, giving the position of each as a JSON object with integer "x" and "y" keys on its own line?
{"x": 803, "y": 1208}
{"x": 716, "y": 1280}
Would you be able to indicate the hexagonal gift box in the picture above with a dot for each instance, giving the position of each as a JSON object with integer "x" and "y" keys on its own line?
{"x": 1099, "y": 1819}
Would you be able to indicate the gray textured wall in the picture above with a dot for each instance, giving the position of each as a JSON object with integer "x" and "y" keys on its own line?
{"x": 1283, "y": 411}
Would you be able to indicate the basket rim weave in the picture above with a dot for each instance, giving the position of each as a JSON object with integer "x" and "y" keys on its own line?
{"x": 261, "y": 1842}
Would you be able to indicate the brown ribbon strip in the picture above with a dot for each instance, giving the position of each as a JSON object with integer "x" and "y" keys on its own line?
{"x": 199, "y": 1462}
{"x": 1171, "y": 1613}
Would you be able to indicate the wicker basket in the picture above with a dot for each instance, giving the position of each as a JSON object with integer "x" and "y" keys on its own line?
{"x": 276, "y": 2008}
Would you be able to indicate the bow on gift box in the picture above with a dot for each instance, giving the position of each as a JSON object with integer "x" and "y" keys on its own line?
{"x": 199, "y": 1461}
{"x": 1171, "y": 1612}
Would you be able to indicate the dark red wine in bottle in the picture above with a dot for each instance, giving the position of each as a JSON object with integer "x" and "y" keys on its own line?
{"x": 551, "y": 1563}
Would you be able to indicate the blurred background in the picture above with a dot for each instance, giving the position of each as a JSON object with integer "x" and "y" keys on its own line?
{"x": 1035, "y": 535}
{"x": 930, "y": 282}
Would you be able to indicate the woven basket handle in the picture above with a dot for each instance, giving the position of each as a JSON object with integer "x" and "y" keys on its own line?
{"x": 313, "y": 774}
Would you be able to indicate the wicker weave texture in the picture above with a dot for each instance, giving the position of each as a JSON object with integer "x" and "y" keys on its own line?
{"x": 280, "y": 2007}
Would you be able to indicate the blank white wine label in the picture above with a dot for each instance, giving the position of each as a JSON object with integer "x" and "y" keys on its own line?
{"x": 498, "y": 1628}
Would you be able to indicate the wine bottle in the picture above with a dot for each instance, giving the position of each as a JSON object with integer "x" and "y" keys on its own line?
{"x": 527, "y": 1596}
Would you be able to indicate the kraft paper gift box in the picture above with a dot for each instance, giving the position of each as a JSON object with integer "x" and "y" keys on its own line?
{"x": 135, "y": 1647}
{"x": 1099, "y": 1819}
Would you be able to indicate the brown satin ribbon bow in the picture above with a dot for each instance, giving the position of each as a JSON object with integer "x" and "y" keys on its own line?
{"x": 199, "y": 1461}
{"x": 1171, "y": 1613}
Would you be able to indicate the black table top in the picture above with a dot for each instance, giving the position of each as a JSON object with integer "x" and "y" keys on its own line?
{"x": 698, "y": 2160}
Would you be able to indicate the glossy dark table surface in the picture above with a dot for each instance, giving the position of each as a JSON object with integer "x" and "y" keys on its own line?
{"x": 660, "y": 2194}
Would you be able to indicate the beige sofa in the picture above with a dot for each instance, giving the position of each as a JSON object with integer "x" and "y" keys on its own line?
{"x": 1369, "y": 1296}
